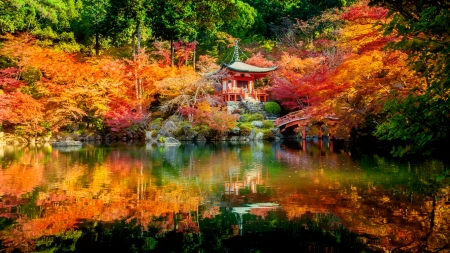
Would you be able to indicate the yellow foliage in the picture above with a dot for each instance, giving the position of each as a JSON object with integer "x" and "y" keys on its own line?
{"x": 360, "y": 68}
{"x": 298, "y": 65}
{"x": 204, "y": 106}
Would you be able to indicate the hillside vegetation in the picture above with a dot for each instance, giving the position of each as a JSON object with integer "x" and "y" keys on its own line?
{"x": 107, "y": 66}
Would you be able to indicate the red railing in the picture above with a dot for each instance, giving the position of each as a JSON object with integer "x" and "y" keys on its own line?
{"x": 291, "y": 117}
{"x": 256, "y": 94}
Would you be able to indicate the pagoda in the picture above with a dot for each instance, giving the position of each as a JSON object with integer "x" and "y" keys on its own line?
{"x": 239, "y": 80}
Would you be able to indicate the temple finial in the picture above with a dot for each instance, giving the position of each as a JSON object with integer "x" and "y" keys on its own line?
{"x": 236, "y": 52}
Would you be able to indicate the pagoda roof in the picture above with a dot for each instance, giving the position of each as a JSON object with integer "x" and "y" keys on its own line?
{"x": 243, "y": 67}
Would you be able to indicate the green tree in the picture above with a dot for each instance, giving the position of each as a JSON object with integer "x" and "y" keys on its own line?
{"x": 186, "y": 20}
{"x": 91, "y": 28}
{"x": 48, "y": 20}
{"x": 421, "y": 118}
{"x": 248, "y": 17}
{"x": 129, "y": 21}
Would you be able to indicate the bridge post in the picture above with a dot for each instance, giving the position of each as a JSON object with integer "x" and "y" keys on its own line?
{"x": 320, "y": 134}
{"x": 304, "y": 134}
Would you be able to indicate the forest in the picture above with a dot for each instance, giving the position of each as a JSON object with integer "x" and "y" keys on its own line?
{"x": 110, "y": 66}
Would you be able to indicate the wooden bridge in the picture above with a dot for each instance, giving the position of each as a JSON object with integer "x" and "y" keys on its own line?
{"x": 299, "y": 120}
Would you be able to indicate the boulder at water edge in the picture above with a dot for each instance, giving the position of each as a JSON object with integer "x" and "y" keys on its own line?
{"x": 170, "y": 141}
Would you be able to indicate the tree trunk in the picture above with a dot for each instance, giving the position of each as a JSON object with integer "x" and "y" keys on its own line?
{"x": 195, "y": 50}
{"x": 133, "y": 45}
{"x": 97, "y": 43}
{"x": 172, "y": 52}
{"x": 195, "y": 53}
{"x": 138, "y": 39}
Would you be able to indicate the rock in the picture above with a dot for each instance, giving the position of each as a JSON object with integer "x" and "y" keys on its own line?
{"x": 148, "y": 135}
{"x": 188, "y": 133}
{"x": 243, "y": 118}
{"x": 170, "y": 141}
{"x": 234, "y": 138}
{"x": 189, "y": 136}
{"x": 252, "y": 134}
{"x": 257, "y": 123}
{"x": 201, "y": 137}
{"x": 220, "y": 138}
{"x": 243, "y": 138}
{"x": 259, "y": 136}
{"x": 167, "y": 128}
{"x": 235, "y": 130}
{"x": 276, "y": 133}
{"x": 68, "y": 148}
{"x": 68, "y": 143}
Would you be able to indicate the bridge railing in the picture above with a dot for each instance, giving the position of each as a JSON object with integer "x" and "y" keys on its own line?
{"x": 293, "y": 116}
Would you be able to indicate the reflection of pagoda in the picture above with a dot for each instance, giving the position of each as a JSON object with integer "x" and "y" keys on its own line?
{"x": 238, "y": 191}
{"x": 260, "y": 209}
{"x": 250, "y": 182}
{"x": 240, "y": 78}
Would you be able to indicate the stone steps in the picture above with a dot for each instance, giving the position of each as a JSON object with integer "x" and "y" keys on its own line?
{"x": 248, "y": 106}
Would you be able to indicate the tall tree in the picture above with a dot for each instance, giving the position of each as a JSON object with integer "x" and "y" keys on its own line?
{"x": 422, "y": 30}
{"x": 91, "y": 26}
{"x": 129, "y": 21}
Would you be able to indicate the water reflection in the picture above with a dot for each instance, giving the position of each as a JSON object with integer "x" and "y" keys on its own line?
{"x": 220, "y": 196}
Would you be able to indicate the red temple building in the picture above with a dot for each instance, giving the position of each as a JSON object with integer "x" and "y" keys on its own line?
{"x": 240, "y": 78}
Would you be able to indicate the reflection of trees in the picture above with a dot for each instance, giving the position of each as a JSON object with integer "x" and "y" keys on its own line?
{"x": 164, "y": 191}
{"x": 118, "y": 188}
{"x": 21, "y": 178}
{"x": 276, "y": 232}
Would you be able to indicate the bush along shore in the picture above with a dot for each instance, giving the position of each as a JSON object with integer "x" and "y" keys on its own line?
{"x": 168, "y": 131}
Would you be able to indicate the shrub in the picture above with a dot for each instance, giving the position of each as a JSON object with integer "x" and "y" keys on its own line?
{"x": 245, "y": 130}
{"x": 202, "y": 130}
{"x": 268, "y": 124}
{"x": 256, "y": 116}
{"x": 182, "y": 129}
{"x": 156, "y": 124}
{"x": 217, "y": 119}
{"x": 268, "y": 134}
{"x": 244, "y": 118}
{"x": 272, "y": 107}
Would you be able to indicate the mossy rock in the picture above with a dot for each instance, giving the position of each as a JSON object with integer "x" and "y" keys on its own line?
{"x": 267, "y": 124}
{"x": 245, "y": 130}
{"x": 256, "y": 117}
{"x": 268, "y": 134}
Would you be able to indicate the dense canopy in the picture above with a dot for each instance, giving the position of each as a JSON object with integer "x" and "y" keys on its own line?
{"x": 104, "y": 66}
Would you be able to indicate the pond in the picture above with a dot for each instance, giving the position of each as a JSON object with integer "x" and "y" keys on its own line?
{"x": 313, "y": 196}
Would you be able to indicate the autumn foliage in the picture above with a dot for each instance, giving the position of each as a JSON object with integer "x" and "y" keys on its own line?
{"x": 50, "y": 89}
{"x": 335, "y": 64}
{"x": 347, "y": 73}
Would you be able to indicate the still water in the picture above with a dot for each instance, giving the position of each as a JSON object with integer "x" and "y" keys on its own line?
{"x": 314, "y": 196}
